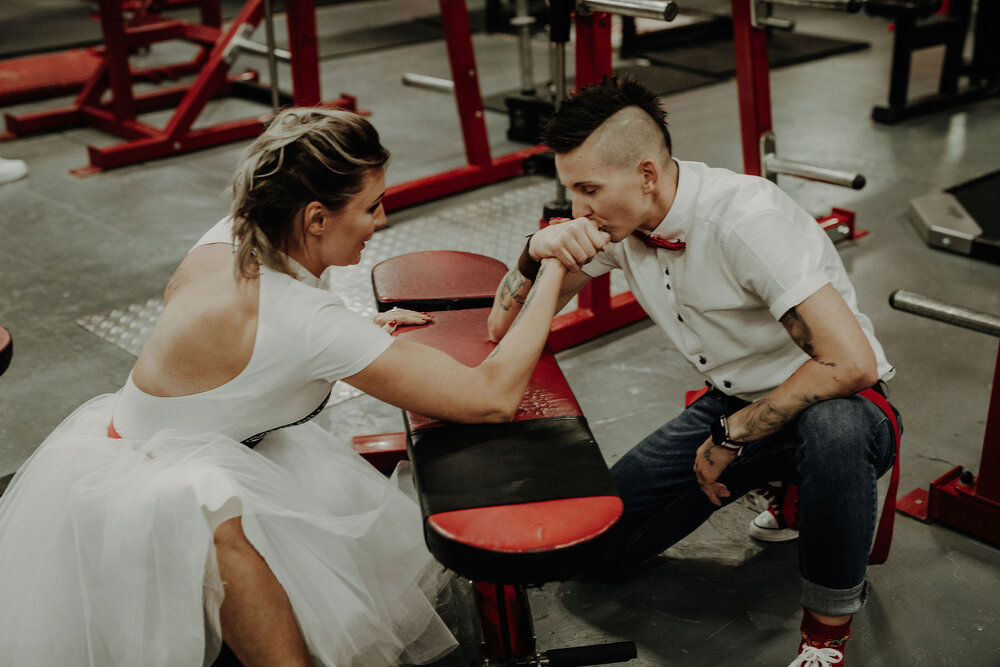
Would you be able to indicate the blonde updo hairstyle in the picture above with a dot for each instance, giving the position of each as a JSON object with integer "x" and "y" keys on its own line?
{"x": 305, "y": 155}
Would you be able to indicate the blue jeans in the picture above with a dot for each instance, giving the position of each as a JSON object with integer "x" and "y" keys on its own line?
{"x": 835, "y": 451}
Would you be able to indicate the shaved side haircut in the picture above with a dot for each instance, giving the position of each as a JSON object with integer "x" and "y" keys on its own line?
{"x": 581, "y": 115}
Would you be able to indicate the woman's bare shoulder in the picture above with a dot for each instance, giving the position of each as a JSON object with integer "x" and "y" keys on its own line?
{"x": 206, "y": 333}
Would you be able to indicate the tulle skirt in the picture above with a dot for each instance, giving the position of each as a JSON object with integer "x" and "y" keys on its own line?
{"x": 107, "y": 554}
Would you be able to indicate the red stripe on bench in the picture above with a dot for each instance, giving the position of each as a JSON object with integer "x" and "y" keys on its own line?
{"x": 530, "y": 527}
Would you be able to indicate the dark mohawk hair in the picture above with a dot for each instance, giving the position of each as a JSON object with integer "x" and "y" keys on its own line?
{"x": 583, "y": 113}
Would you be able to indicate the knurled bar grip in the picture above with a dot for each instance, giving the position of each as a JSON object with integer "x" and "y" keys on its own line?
{"x": 597, "y": 654}
{"x": 836, "y": 5}
{"x": 663, "y": 10}
{"x": 945, "y": 312}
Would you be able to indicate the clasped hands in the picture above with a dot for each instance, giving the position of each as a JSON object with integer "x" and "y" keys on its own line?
{"x": 572, "y": 242}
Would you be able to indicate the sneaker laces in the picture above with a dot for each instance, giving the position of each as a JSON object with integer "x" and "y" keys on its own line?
{"x": 814, "y": 656}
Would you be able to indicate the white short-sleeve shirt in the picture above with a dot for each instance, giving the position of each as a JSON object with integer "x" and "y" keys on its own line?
{"x": 751, "y": 254}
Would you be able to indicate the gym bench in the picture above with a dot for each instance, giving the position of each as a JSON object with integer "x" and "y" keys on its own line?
{"x": 505, "y": 505}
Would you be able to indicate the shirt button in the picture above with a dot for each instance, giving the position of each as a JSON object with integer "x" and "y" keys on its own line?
{"x": 666, "y": 270}
{"x": 727, "y": 384}
{"x": 679, "y": 318}
{"x": 701, "y": 360}
{"x": 668, "y": 285}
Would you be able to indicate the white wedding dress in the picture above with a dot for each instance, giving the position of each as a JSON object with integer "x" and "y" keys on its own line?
{"x": 106, "y": 549}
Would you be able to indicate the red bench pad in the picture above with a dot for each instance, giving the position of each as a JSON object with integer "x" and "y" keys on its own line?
{"x": 437, "y": 280}
{"x": 463, "y": 335}
{"x": 519, "y": 503}
{"x": 530, "y": 527}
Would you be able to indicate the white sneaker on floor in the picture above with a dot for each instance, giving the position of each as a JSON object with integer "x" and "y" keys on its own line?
{"x": 767, "y": 528}
{"x": 11, "y": 170}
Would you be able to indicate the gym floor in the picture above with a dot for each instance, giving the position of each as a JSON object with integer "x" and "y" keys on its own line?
{"x": 77, "y": 250}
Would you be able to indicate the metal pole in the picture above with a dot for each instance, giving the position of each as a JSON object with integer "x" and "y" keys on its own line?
{"x": 429, "y": 82}
{"x": 663, "y": 10}
{"x": 836, "y": 5}
{"x": 945, "y": 312}
{"x": 272, "y": 61}
{"x": 523, "y": 20}
{"x": 776, "y": 165}
{"x": 559, "y": 33}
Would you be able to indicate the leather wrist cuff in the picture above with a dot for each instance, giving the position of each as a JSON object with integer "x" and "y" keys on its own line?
{"x": 527, "y": 266}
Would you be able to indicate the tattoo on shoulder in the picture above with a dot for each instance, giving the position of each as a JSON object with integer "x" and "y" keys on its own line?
{"x": 802, "y": 335}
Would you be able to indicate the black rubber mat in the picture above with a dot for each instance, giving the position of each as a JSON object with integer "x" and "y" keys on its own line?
{"x": 980, "y": 198}
{"x": 28, "y": 27}
{"x": 378, "y": 38}
{"x": 661, "y": 80}
{"x": 715, "y": 57}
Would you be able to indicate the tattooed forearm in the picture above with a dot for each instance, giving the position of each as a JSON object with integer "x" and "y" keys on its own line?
{"x": 800, "y": 333}
{"x": 527, "y": 300}
{"x": 763, "y": 418}
{"x": 512, "y": 289}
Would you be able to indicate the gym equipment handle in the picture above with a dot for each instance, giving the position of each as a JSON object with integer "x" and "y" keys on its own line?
{"x": 776, "y": 165}
{"x": 663, "y": 10}
{"x": 429, "y": 82}
{"x": 945, "y": 312}
{"x": 597, "y": 654}
{"x": 850, "y": 6}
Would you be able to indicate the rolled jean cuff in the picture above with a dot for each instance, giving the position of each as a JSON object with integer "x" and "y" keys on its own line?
{"x": 834, "y": 601}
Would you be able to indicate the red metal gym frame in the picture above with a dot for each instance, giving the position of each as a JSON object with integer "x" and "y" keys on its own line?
{"x": 481, "y": 169}
{"x": 119, "y": 115}
{"x": 753, "y": 84}
{"x": 597, "y": 312}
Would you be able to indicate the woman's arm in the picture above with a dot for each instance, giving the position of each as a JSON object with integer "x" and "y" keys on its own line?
{"x": 572, "y": 242}
{"x": 425, "y": 380}
{"x": 513, "y": 291}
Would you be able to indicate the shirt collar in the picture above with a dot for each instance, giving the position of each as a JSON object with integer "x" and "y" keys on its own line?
{"x": 677, "y": 222}
{"x": 302, "y": 274}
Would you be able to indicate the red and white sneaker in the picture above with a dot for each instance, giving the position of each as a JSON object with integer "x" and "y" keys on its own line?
{"x": 770, "y": 525}
{"x": 816, "y": 656}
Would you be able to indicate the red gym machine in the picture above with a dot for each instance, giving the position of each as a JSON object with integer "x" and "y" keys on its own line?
{"x": 958, "y": 498}
{"x": 219, "y": 47}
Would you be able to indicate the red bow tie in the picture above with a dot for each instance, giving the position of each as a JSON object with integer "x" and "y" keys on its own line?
{"x": 659, "y": 242}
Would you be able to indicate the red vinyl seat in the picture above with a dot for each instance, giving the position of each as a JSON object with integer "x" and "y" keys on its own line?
{"x": 437, "y": 280}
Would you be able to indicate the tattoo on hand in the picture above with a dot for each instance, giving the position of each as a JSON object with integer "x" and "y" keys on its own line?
{"x": 800, "y": 333}
{"x": 708, "y": 455}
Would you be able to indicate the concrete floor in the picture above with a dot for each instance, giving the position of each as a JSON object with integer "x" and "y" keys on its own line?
{"x": 73, "y": 247}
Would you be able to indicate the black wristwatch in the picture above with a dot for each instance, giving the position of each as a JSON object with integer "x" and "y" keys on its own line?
{"x": 720, "y": 436}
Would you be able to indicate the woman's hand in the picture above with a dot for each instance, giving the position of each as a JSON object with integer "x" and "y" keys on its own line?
{"x": 397, "y": 317}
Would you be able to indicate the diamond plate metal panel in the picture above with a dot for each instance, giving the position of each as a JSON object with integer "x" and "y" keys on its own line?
{"x": 495, "y": 226}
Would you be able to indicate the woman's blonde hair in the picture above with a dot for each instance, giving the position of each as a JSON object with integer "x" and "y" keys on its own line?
{"x": 305, "y": 155}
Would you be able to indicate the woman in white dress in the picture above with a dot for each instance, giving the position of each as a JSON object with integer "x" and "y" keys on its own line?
{"x": 198, "y": 503}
